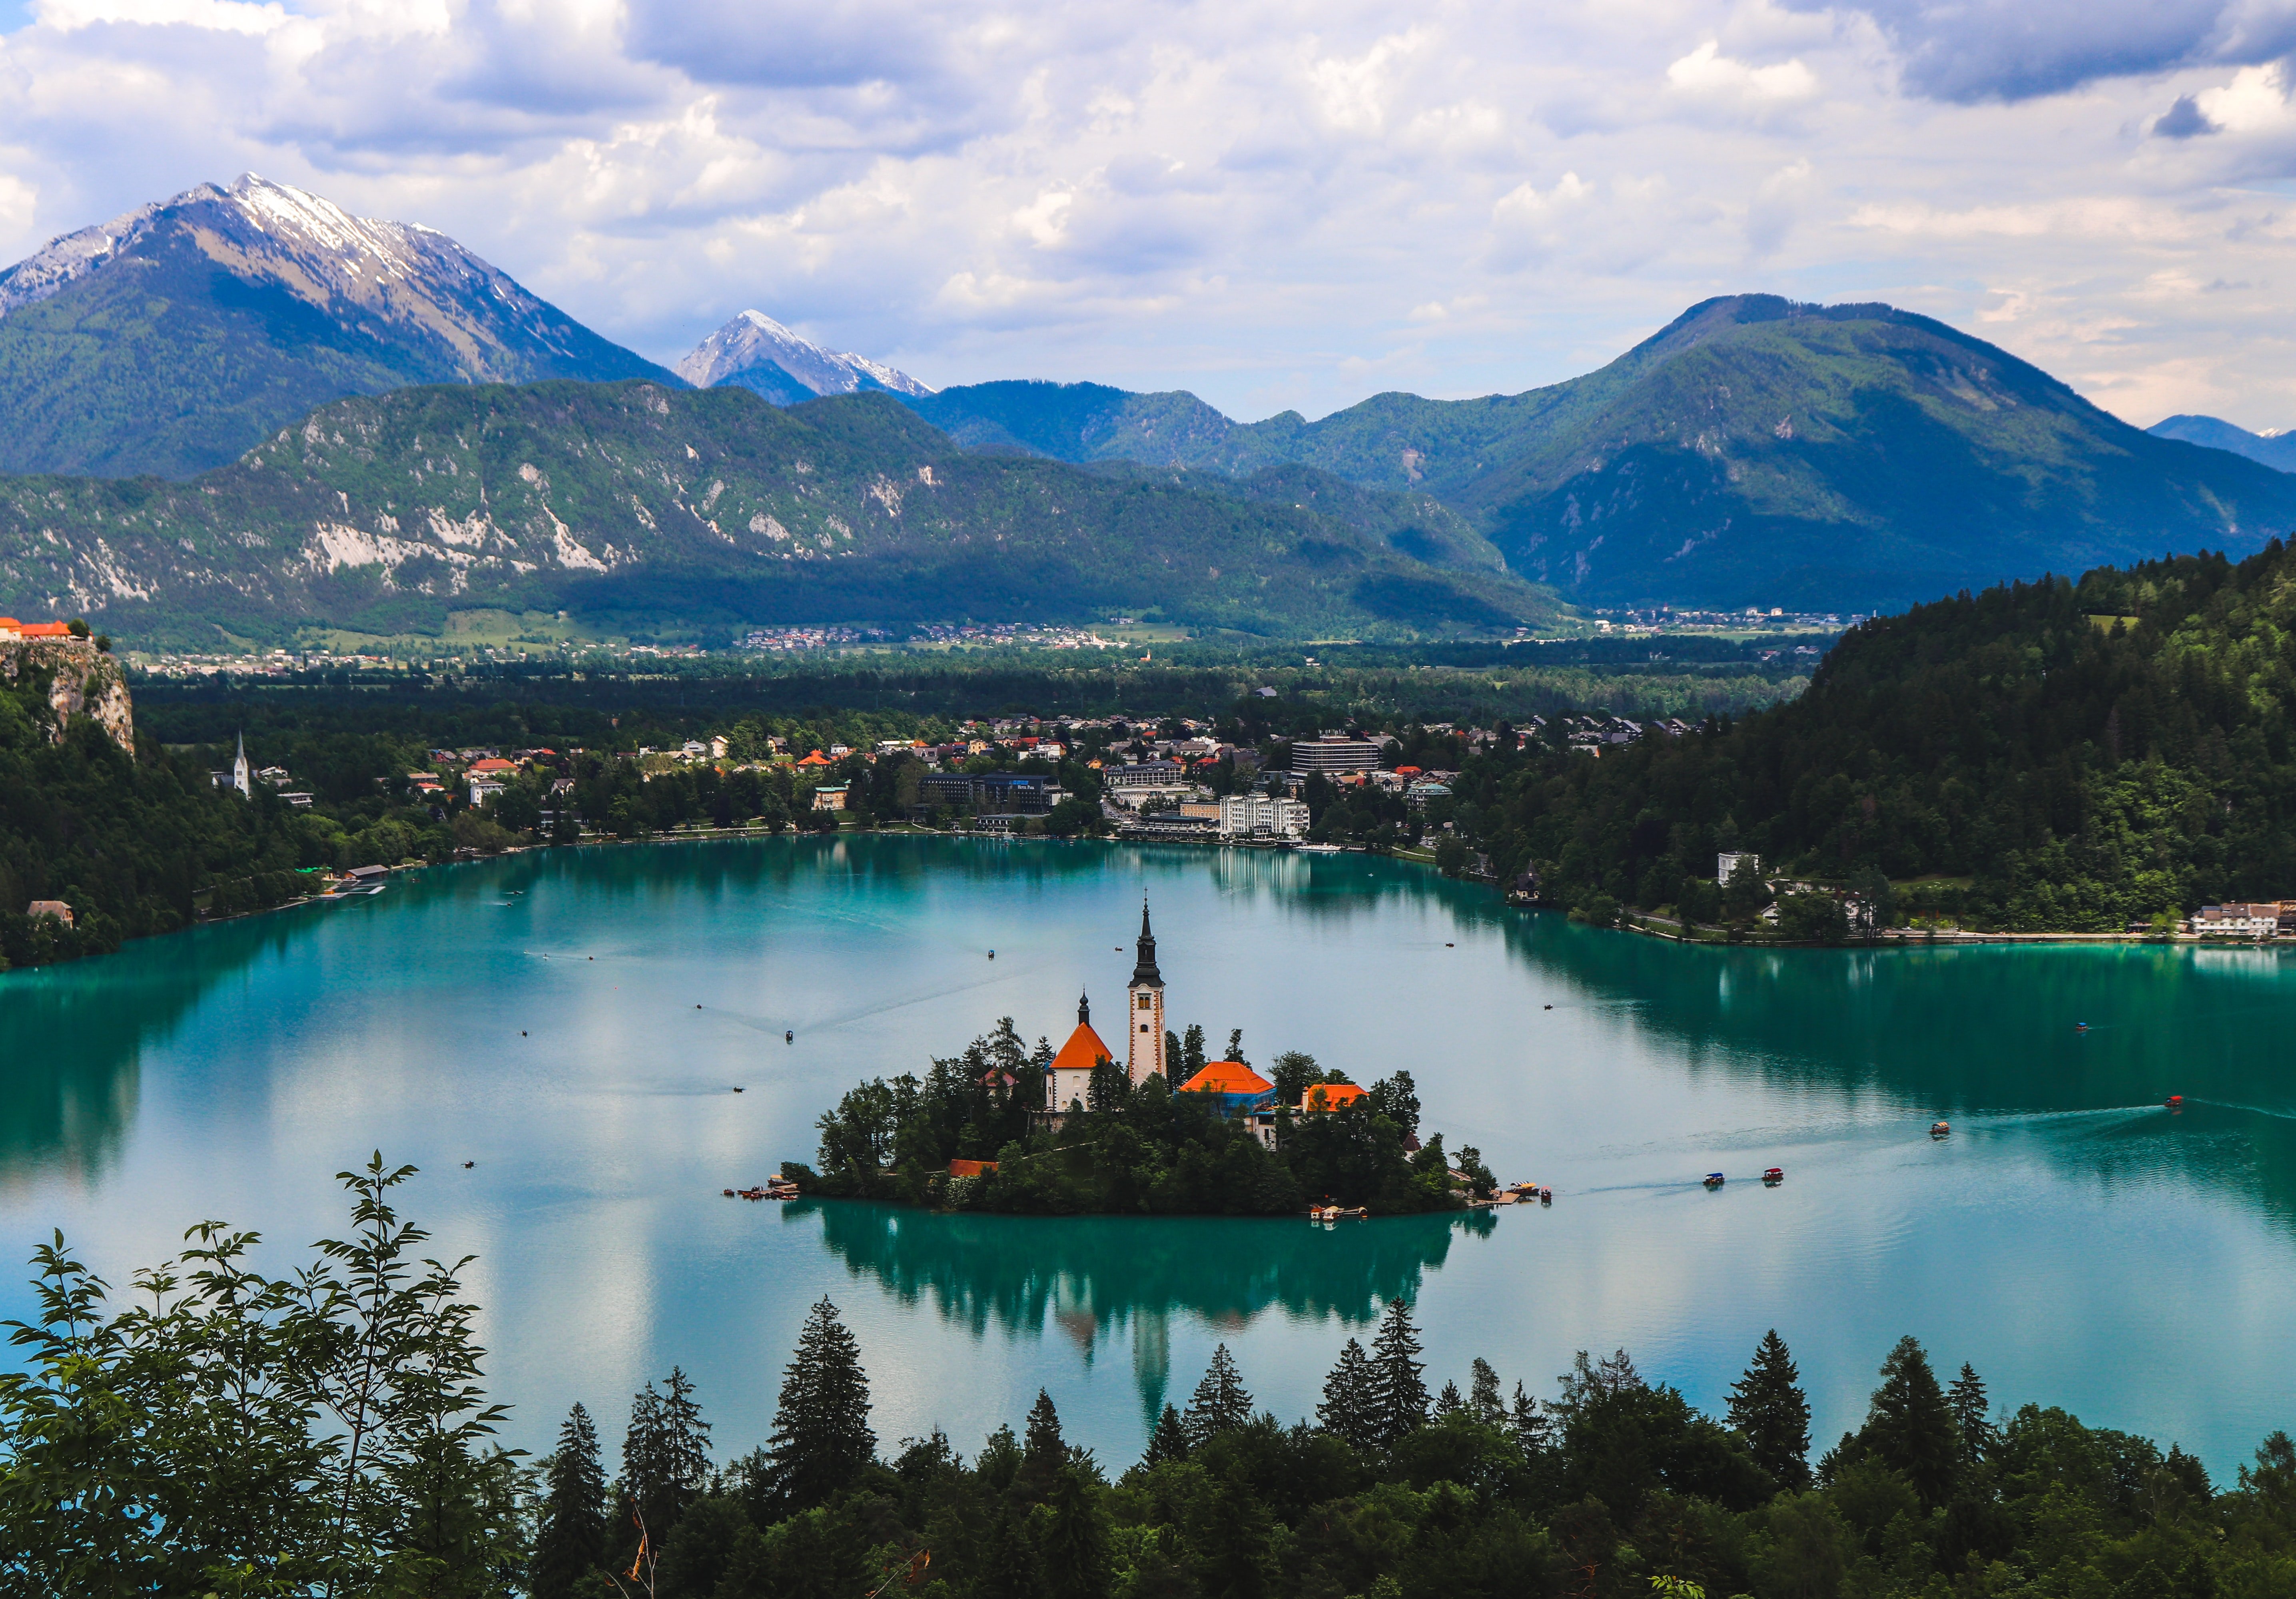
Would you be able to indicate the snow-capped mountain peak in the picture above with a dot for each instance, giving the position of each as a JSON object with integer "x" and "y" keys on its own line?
{"x": 757, "y": 352}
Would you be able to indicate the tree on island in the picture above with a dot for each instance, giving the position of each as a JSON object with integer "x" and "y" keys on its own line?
{"x": 570, "y": 1525}
{"x": 1483, "y": 1398}
{"x": 1770, "y": 1411}
{"x": 821, "y": 1440}
{"x": 1221, "y": 1402}
{"x": 1396, "y": 1098}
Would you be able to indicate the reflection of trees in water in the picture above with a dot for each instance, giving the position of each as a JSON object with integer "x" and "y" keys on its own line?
{"x": 1096, "y": 1277}
{"x": 1954, "y": 1031}
{"x": 72, "y": 1037}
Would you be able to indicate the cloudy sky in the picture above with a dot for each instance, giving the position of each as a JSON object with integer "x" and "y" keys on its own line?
{"x": 1274, "y": 203}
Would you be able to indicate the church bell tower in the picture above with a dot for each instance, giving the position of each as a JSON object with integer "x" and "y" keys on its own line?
{"x": 1144, "y": 1021}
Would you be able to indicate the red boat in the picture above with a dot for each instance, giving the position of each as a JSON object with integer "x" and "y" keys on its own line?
{"x": 1775, "y": 1176}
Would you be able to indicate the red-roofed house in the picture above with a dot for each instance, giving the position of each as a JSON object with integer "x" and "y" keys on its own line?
{"x": 492, "y": 768}
{"x": 815, "y": 760}
{"x": 1070, "y": 1081}
{"x": 1230, "y": 1079}
{"x": 1330, "y": 1096}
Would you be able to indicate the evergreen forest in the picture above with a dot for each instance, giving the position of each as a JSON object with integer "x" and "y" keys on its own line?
{"x": 216, "y": 1430}
{"x": 2067, "y": 755}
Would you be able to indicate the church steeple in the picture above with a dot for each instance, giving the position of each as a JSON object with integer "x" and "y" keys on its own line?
{"x": 1083, "y": 1009}
{"x": 1144, "y": 975}
{"x": 1143, "y": 1025}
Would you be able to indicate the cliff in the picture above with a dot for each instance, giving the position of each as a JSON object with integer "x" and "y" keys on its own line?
{"x": 82, "y": 681}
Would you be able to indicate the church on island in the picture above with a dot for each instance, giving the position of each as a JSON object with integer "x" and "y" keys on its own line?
{"x": 1068, "y": 1085}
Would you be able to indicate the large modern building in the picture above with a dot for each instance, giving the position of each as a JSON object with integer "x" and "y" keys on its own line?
{"x": 1335, "y": 754}
{"x": 1261, "y": 815}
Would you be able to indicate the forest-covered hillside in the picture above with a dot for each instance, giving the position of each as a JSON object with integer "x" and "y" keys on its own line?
{"x": 690, "y": 513}
{"x": 2064, "y": 754}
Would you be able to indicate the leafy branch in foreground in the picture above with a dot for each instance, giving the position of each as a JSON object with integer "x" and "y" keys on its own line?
{"x": 231, "y": 1432}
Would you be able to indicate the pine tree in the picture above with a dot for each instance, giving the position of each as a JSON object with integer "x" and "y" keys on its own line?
{"x": 1192, "y": 1051}
{"x": 1169, "y": 1441}
{"x": 1042, "y": 1442}
{"x": 1346, "y": 1412}
{"x": 665, "y": 1455}
{"x": 1909, "y": 1428}
{"x": 1043, "y": 1450}
{"x": 569, "y": 1534}
{"x": 1966, "y": 1399}
{"x": 1398, "y": 1396}
{"x": 1235, "y": 1046}
{"x": 1533, "y": 1428}
{"x": 1449, "y": 1402}
{"x": 1220, "y": 1402}
{"x": 1075, "y": 1543}
{"x": 1483, "y": 1394}
{"x": 1770, "y": 1411}
{"x": 821, "y": 1439}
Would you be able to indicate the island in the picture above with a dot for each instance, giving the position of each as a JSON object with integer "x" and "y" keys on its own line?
{"x": 1002, "y": 1128}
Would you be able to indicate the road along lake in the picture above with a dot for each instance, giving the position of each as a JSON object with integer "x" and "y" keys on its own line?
{"x": 574, "y": 1024}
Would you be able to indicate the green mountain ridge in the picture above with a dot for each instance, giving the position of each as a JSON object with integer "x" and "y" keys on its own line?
{"x": 679, "y": 513}
{"x": 1754, "y": 451}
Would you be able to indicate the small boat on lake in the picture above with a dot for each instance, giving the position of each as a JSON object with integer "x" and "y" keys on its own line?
{"x": 1774, "y": 1177}
{"x": 2175, "y": 1102}
{"x": 1714, "y": 1179}
{"x": 1938, "y": 1130}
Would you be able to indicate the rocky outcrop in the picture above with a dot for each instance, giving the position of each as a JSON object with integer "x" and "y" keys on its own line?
{"x": 83, "y": 681}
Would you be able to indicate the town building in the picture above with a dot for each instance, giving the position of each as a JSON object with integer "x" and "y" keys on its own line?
{"x": 1328, "y": 1097}
{"x": 55, "y": 910}
{"x": 1242, "y": 1093}
{"x": 830, "y": 796}
{"x": 1261, "y": 815}
{"x": 1729, "y": 861}
{"x": 2251, "y": 921}
{"x": 1334, "y": 754}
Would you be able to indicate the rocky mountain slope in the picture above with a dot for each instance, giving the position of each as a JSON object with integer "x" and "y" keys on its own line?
{"x": 174, "y": 338}
{"x": 1753, "y": 451}
{"x": 2276, "y": 449}
{"x": 757, "y": 353}
{"x": 690, "y": 513}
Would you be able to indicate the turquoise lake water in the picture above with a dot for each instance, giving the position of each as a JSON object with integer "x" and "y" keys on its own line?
{"x": 2075, "y": 1240}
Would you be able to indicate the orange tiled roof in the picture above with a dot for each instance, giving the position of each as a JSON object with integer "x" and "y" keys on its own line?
{"x": 970, "y": 1168}
{"x": 1082, "y": 1051}
{"x": 815, "y": 760}
{"x": 46, "y": 630}
{"x": 494, "y": 765}
{"x": 1227, "y": 1076}
{"x": 1330, "y": 1096}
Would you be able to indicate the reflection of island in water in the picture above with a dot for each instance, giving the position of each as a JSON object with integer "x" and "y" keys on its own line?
{"x": 1096, "y": 1277}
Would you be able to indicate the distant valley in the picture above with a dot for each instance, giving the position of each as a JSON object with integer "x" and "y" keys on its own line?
{"x": 1753, "y": 452}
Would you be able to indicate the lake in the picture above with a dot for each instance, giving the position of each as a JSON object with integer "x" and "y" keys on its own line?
{"x": 573, "y": 1023}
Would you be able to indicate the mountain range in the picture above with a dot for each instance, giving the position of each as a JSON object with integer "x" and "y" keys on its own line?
{"x": 1755, "y": 451}
{"x": 753, "y": 351}
{"x": 178, "y": 336}
{"x": 2275, "y": 450}
{"x": 686, "y": 514}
